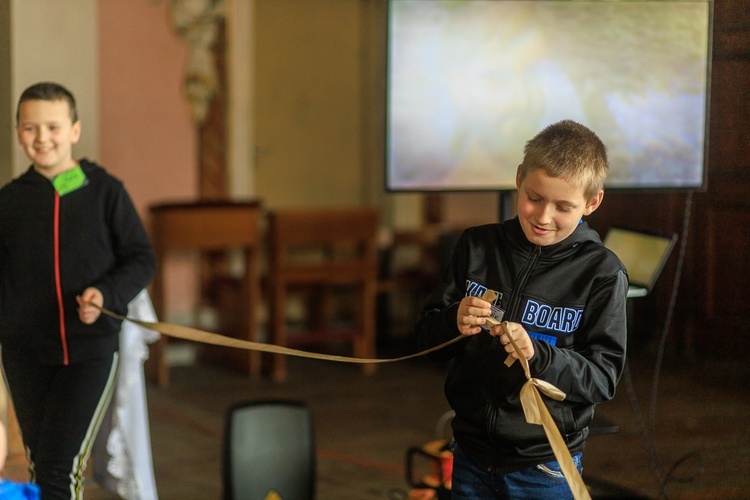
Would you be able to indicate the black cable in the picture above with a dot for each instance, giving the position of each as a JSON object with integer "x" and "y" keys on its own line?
{"x": 648, "y": 430}
{"x": 688, "y": 456}
{"x": 648, "y": 437}
{"x": 670, "y": 310}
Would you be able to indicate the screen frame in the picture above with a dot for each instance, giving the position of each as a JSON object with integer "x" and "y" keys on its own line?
{"x": 389, "y": 186}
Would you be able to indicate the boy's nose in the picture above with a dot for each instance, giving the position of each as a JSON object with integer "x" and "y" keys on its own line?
{"x": 41, "y": 134}
{"x": 544, "y": 215}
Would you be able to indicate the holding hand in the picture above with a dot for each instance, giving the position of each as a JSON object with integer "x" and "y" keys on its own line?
{"x": 86, "y": 311}
{"x": 520, "y": 337}
{"x": 472, "y": 312}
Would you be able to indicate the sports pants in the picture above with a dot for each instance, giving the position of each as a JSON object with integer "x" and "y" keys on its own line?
{"x": 59, "y": 410}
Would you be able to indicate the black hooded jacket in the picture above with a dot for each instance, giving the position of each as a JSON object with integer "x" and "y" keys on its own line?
{"x": 89, "y": 237}
{"x": 570, "y": 297}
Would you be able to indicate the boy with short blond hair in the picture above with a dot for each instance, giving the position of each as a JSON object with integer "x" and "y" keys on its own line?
{"x": 563, "y": 295}
{"x": 70, "y": 237}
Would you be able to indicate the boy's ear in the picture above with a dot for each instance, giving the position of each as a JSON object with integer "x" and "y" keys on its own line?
{"x": 594, "y": 203}
{"x": 76, "y": 132}
{"x": 518, "y": 177}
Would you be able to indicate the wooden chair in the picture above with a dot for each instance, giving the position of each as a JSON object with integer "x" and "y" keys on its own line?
{"x": 208, "y": 226}
{"x": 313, "y": 252}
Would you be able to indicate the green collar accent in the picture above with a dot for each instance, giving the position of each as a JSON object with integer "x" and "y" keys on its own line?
{"x": 69, "y": 181}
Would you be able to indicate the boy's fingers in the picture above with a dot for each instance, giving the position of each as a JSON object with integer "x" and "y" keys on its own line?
{"x": 477, "y": 302}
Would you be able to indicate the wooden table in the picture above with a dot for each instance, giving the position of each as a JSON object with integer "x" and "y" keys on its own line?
{"x": 207, "y": 226}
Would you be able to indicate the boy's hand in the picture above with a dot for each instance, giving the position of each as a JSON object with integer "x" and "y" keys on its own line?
{"x": 520, "y": 336}
{"x": 87, "y": 312}
{"x": 472, "y": 312}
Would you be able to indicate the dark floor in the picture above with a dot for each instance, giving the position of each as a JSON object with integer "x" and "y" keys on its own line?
{"x": 364, "y": 426}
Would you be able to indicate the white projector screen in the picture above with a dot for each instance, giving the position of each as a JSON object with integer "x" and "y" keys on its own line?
{"x": 470, "y": 81}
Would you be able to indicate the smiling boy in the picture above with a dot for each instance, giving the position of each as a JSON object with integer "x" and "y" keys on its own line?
{"x": 69, "y": 236}
{"x": 47, "y": 131}
{"x": 564, "y": 296}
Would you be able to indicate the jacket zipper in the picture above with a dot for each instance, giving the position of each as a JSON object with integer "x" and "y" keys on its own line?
{"x": 515, "y": 301}
{"x": 523, "y": 277}
{"x": 58, "y": 281}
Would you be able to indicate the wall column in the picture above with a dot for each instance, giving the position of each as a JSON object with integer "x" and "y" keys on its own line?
{"x": 51, "y": 41}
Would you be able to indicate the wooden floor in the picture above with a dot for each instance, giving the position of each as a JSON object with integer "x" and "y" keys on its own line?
{"x": 364, "y": 425}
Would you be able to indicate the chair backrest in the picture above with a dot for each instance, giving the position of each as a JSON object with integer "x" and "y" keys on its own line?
{"x": 269, "y": 451}
{"x": 321, "y": 244}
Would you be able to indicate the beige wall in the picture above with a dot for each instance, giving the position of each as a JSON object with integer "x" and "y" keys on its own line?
{"x": 49, "y": 40}
{"x": 125, "y": 65}
{"x": 6, "y": 99}
{"x": 309, "y": 112}
{"x": 126, "y": 81}
{"x": 147, "y": 137}
{"x": 319, "y": 110}
{"x": 137, "y": 123}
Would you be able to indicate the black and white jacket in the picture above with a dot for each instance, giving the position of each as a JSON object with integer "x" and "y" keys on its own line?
{"x": 570, "y": 297}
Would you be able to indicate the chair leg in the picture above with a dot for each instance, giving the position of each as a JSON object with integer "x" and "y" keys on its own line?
{"x": 365, "y": 343}
{"x": 317, "y": 308}
{"x": 278, "y": 333}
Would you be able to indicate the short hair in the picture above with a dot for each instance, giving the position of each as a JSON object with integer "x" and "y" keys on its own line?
{"x": 48, "y": 91}
{"x": 570, "y": 151}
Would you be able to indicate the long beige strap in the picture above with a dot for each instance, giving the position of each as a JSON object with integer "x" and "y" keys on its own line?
{"x": 196, "y": 335}
{"x": 537, "y": 413}
{"x": 533, "y": 406}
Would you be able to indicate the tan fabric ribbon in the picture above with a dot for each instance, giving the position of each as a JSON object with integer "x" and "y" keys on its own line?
{"x": 196, "y": 335}
{"x": 537, "y": 413}
{"x": 533, "y": 406}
